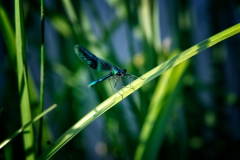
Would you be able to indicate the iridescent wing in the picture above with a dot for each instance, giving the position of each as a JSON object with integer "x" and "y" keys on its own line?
{"x": 91, "y": 60}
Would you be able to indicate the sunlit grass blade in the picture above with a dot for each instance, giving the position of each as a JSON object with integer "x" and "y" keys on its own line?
{"x": 146, "y": 23}
{"x": 153, "y": 129}
{"x": 28, "y": 136}
{"x": 10, "y": 138}
{"x": 7, "y": 32}
{"x": 123, "y": 93}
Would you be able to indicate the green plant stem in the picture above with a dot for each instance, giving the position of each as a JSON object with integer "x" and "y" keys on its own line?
{"x": 41, "y": 79}
{"x": 28, "y": 137}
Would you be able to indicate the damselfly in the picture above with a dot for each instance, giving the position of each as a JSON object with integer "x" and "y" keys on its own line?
{"x": 100, "y": 65}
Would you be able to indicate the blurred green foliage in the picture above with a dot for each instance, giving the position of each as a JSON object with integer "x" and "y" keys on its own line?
{"x": 196, "y": 110}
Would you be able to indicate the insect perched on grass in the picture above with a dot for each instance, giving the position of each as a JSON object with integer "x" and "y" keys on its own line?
{"x": 100, "y": 65}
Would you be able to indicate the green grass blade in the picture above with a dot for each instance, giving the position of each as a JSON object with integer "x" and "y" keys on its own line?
{"x": 41, "y": 78}
{"x": 156, "y": 27}
{"x": 28, "y": 137}
{"x": 146, "y": 23}
{"x": 117, "y": 97}
{"x": 8, "y": 33}
{"x": 153, "y": 129}
{"x": 73, "y": 18}
{"x": 10, "y": 138}
{"x": 152, "y": 135}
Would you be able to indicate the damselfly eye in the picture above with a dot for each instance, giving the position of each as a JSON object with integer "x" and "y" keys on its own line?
{"x": 124, "y": 70}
